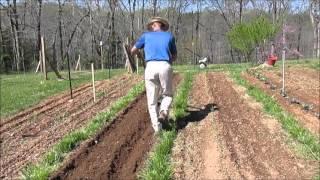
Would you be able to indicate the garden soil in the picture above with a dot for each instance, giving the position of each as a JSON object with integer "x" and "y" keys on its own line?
{"x": 118, "y": 151}
{"x": 227, "y": 136}
{"x": 302, "y": 84}
{"x": 29, "y": 134}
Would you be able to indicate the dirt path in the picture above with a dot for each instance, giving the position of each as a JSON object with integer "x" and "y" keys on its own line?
{"x": 195, "y": 153}
{"x": 29, "y": 134}
{"x": 306, "y": 118}
{"x": 118, "y": 151}
{"x": 235, "y": 141}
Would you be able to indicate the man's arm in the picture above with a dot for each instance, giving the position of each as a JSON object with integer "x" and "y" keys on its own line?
{"x": 134, "y": 50}
{"x": 173, "y": 49}
{"x": 173, "y": 57}
{"x": 138, "y": 45}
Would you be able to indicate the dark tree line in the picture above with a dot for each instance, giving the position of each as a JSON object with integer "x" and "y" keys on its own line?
{"x": 74, "y": 29}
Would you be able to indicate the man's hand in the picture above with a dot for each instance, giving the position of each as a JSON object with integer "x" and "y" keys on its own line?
{"x": 134, "y": 50}
{"x": 173, "y": 57}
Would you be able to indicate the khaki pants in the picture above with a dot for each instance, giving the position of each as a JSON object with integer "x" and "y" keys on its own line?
{"x": 158, "y": 81}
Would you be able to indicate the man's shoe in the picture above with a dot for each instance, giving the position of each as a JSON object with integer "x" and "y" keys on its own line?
{"x": 163, "y": 116}
{"x": 157, "y": 128}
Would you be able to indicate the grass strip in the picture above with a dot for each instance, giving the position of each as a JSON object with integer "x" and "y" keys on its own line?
{"x": 309, "y": 144}
{"x": 308, "y": 63}
{"x": 51, "y": 160}
{"x": 158, "y": 165}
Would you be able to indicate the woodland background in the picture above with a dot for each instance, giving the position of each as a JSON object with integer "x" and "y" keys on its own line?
{"x": 73, "y": 28}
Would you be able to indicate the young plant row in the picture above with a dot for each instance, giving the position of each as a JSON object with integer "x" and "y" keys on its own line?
{"x": 158, "y": 165}
{"x": 52, "y": 159}
{"x": 309, "y": 144}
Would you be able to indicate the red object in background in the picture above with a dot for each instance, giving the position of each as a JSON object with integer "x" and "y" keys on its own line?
{"x": 272, "y": 60}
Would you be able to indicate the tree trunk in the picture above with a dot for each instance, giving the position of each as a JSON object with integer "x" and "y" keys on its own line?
{"x": 54, "y": 54}
{"x": 315, "y": 41}
{"x": 318, "y": 40}
{"x": 274, "y": 11}
{"x": 299, "y": 35}
{"x": 175, "y": 26}
{"x": 198, "y": 44}
{"x": 132, "y": 16}
{"x": 240, "y": 10}
{"x": 72, "y": 35}
{"x": 18, "y": 37}
{"x": 154, "y": 7}
{"x": 112, "y": 30}
{"x": 39, "y": 27}
{"x": 142, "y": 14}
{"x": 12, "y": 12}
{"x": 2, "y": 50}
{"x": 91, "y": 33}
{"x": 23, "y": 37}
{"x": 316, "y": 26}
{"x": 192, "y": 38}
{"x": 232, "y": 55}
{"x": 60, "y": 32}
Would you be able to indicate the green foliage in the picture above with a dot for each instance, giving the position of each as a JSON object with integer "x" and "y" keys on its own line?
{"x": 244, "y": 37}
{"x": 210, "y": 67}
{"x": 55, "y": 156}
{"x": 181, "y": 101}
{"x": 310, "y": 144}
{"x": 301, "y": 63}
{"x": 158, "y": 165}
{"x": 317, "y": 177}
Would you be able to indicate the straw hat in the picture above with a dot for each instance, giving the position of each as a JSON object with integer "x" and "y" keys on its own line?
{"x": 164, "y": 22}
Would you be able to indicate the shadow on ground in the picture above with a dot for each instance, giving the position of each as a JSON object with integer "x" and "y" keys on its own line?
{"x": 194, "y": 114}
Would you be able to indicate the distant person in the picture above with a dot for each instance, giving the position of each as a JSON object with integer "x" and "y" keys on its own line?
{"x": 160, "y": 51}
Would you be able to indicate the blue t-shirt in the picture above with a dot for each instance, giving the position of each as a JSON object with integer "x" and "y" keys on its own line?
{"x": 158, "y": 46}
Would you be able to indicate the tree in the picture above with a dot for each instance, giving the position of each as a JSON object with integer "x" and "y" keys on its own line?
{"x": 39, "y": 26}
{"x": 154, "y": 7}
{"x": 246, "y": 36}
{"x": 112, "y": 21}
{"x": 315, "y": 21}
{"x": 60, "y": 30}
{"x": 15, "y": 28}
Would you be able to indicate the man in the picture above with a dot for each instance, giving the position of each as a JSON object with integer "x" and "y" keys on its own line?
{"x": 160, "y": 50}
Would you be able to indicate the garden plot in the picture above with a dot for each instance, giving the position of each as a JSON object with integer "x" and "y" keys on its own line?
{"x": 302, "y": 89}
{"x": 234, "y": 141}
{"x": 29, "y": 134}
{"x": 118, "y": 151}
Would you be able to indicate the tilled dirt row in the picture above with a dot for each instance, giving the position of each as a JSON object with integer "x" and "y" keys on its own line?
{"x": 195, "y": 153}
{"x": 113, "y": 153}
{"x": 298, "y": 89}
{"x": 301, "y": 83}
{"x": 118, "y": 151}
{"x": 26, "y": 136}
{"x": 235, "y": 141}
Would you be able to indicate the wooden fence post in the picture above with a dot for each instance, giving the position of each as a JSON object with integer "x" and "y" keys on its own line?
{"x": 43, "y": 58}
{"x": 101, "y": 55}
{"x": 78, "y": 65}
